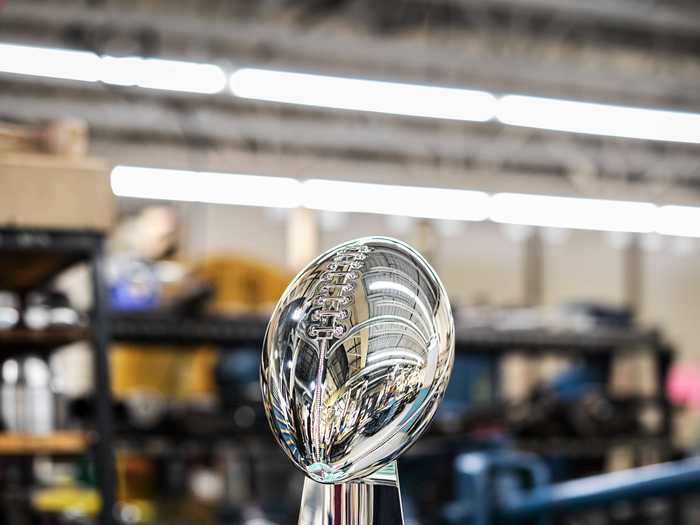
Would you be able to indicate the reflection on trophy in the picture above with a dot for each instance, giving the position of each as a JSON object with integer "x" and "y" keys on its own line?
{"x": 356, "y": 358}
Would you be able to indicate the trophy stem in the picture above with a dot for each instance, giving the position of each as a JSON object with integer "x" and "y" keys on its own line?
{"x": 375, "y": 500}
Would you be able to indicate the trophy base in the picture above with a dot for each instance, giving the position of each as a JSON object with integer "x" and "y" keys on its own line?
{"x": 375, "y": 500}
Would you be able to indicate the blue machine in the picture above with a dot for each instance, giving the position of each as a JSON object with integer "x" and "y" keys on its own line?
{"x": 499, "y": 485}
{"x": 513, "y": 487}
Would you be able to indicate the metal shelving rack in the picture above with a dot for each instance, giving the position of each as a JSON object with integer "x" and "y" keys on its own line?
{"x": 598, "y": 348}
{"x": 169, "y": 329}
{"x": 232, "y": 331}
{"x": 31, "y": 258}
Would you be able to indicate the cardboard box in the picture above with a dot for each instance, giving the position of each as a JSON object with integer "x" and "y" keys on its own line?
{"x": 55, "y": 192}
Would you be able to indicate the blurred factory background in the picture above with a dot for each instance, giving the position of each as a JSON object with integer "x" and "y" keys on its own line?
{"x": 167, "y": 167}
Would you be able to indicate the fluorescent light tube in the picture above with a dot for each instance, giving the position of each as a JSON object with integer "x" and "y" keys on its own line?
{"x": 599, "y": 119}
{"x": 355, "y": 94}
{"x": 408, "y": 201}
{"x": 216, "y": 188}
{"x": 363, "y": 95}
{"x": 48, "y": 62}
{"x": 151, "y": 73}
{"x": 171, "y": 75}
{"x": 182, "y": 76}
{"x": 121, "y": 71}
{"x": 682, "y": 221}
{"x": 568, "y": 212}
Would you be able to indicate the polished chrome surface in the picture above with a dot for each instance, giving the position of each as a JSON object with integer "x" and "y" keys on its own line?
{"x": 356, "y": 358}
{"x": 374, "y": 500}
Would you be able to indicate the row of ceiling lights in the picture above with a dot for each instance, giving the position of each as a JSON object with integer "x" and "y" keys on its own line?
{"x": 386, "y": 97}
{"x": 408, "y": 201}
{"x": 355, "y": 94}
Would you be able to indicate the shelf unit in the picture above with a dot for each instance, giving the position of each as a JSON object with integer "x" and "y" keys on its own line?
{"x": 30, "y": 259}
{"x": 168, "y": 329}
{"x": 539, "y": 340}
{"x": 598, "y": 348}
{"x": 41, "y": 341}
{"x": 575, "y": 448}
{"x": 38, "y": 255}
{"x": 53, "y": 444}
{"x": 250, "y": 329}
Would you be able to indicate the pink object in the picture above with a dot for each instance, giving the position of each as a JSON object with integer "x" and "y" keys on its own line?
{"x": 683, "y": 385}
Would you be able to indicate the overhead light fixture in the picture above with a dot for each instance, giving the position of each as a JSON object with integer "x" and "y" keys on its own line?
{"x": 407, "y": 201}
{"x": 156, "y": 73}
{"x": 363, "y": 95}
{"x": 196, "y": 186}
{"x": 49, "y": 62}
{"x": 568, "y": 212}
{"x": 121, "y": 71}
{"x": 519, "y": 209}
{"x": 355, "y": 94}
{"x": 599, "y": 119}
{"x": 681, "y": 221}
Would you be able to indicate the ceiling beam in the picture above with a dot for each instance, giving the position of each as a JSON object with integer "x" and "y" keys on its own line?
{"x": 654, "y": 16}
{"x": 498, "y": 62}
{"x": 201, "y": 124}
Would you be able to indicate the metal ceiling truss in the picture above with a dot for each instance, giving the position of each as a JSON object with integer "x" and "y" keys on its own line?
{"x": 529, "y": 58}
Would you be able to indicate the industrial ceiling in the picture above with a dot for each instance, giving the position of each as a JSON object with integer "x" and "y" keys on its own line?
{"x": 625, "y": 52}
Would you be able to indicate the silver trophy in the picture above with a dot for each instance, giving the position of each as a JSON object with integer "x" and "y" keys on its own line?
{"x": 356, "y": 358}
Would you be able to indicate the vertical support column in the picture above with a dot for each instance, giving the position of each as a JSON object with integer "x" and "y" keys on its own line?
{"x": 104, "y": 453}
{"x": 302, "y": 238}
{"x": 632, "y": 275}
{"x": 664, "y": 360}
{"x": 533, "y": 293}
{"x": 426, "y": 239}
{"x": 533, "y": 269}
{"x": 633, "y": 269}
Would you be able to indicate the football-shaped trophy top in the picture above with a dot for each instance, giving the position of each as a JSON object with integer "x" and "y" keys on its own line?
{"x": 356, "y": 358}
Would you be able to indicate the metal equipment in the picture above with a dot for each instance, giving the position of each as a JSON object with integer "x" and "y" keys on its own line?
{"x": 514, "y": 487}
